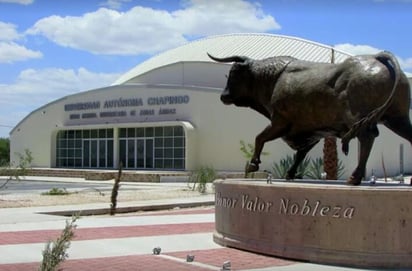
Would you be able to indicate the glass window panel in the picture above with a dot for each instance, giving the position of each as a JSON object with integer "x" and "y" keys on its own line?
{"x": 158, "y": 153}
{"x": 78, "y": 153}
{"x": 178, "y": 131}
{"x": 93, "y": 153}
{"x": 168, "y": 143}
{"x": 102, "y": 133}
{"x": 109, "y": 133}
{"x": 78, "y": 134}
{"x": 122, "y": 132}
{"x": 110, "y": 153}
{"x": 130, "y": 154}
{"x": 102, "y": 153}
{"x": 158, "y": 131}
{"x": 63, "y": 152}
{"x": 149, "y": 132}
{"x": 78, "y": 162}
{"x": 70, "y": 162}
{"x": 179, "y": 153}
{"x": 70, "y": 153}
{"x": 158, "y": 142}
{"x": 140, "y": 153}
{"x": 168, "y": 153}
{"x": 140, "y": 132}
{"x": 71, "y": 134}
{"x": 78, "y": 143}
{"x": 86, "y": 134}
{"x": 168, "y": 163}
{"x": 63, "y": 143}
{"x": 149, "y": 153}
{"x": 168, "y": 131}
{"x": 178, "y": 163}
{"x": 158, "y": 163}
{"x": 122, "y": 152}
{"x": 70, "y": 143}
{"x": 93, "y": 133}
{"x": 178, "y": 142}
{"x": 86, "y": 153}
{"x": 131, "y": 132}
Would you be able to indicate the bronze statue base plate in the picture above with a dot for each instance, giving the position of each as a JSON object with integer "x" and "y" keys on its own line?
{"x": 317, "y": 221}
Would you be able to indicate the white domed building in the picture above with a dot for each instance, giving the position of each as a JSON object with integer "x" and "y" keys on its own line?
{"x": 166, "y": 114}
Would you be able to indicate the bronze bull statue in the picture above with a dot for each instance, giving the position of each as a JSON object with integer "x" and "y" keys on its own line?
{"x": 306, "y": 101}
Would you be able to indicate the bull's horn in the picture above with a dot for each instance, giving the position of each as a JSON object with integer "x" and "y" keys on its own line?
{"x": 229, "y": 59}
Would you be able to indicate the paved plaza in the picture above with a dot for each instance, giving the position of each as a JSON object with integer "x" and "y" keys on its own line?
{"x": 126, "y": 241}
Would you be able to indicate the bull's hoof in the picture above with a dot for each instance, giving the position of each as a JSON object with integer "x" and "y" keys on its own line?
{"x": 289, "y": 177}
{"x": 353, "y": 181}
{"x": 252, "y": 167}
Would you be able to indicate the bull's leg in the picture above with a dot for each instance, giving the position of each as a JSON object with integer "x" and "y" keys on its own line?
{"x": 300, "y": 155}
{"x": 400, "y": 126}
{"x": 269, "y": 133}
{"x": 366, "y": 139}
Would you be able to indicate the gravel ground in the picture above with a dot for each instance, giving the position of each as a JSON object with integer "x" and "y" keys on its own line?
{"x": 30, "y": 200}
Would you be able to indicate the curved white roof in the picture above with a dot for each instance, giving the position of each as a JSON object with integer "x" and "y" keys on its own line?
{"x": 255, "y": 46}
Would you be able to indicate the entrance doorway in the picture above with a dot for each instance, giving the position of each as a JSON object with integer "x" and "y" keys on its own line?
{"x": 137, "y": 153}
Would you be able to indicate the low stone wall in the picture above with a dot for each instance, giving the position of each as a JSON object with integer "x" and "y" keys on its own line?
{"x": 97, "y": 175}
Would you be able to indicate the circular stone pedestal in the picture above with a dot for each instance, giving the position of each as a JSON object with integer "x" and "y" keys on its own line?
{"x": 362, "y": 226}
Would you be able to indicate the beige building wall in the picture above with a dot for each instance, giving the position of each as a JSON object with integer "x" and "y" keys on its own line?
{"x": 213, "y": 130}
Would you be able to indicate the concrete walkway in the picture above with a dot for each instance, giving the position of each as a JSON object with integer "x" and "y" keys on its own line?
{"x": 126, "y": 241}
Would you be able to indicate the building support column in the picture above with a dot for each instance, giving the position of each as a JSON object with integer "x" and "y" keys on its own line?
{"x": 115, "y": 147}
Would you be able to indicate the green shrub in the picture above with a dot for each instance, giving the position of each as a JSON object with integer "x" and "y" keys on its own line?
{"x": 315, "y": 169}
{"x": 279, "y": 170}
{"x": 309, "y": 168}
{"x": 56, "y": 192}
{"x": 201, "y": 177}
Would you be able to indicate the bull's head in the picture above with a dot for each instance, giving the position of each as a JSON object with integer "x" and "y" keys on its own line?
{"x": 237, "y": 88}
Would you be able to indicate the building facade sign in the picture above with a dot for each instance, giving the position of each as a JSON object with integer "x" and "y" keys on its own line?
{"x": 135, "y": 107}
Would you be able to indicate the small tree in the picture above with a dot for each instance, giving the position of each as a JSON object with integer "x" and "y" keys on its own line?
{"x": 201, "y": 177}
{"x": 55, "y": 252}
{"x": 16, "y": 171}
{"x": 4, "y": 151}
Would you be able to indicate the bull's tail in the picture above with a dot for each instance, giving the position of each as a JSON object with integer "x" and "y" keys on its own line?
{"x": 392, "y": 64}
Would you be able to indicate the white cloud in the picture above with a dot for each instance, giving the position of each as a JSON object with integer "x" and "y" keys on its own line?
{"x": 10, "y": 51}
{"x": 143, "y": 30}
{"x": 357, "y": 49}
{"x": 114, "y": 4}
{"x": 8, "y": 31}
{"x": 52, "y": 83}
{"x": 34, "y": 88}
{"x": 21, "y": 2}
{"x": 406, "y": 63}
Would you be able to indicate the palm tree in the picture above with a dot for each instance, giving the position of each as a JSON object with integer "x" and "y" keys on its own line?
{"x": 330, "y": 153}
{"x": 330, "y": 158}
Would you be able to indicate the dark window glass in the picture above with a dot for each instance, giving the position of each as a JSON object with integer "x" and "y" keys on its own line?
{"x": 178, "y": 131}
{"x": 149, "y": 132}
{"x": 140, "y": 132}
{"x": 158, "y": 131}
{"x": 93, "y": 133}
{"x": 86, "y": 134}
{"x": 109, "y": 133}
{"x": 102, "y": 133}
{"x": 131, "y": 132}
{"x": 168, "y": 131}
{"x": 122, "y": 132}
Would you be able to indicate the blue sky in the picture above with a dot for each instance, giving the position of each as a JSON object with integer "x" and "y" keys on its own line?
{"x": 53, "y": 48}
